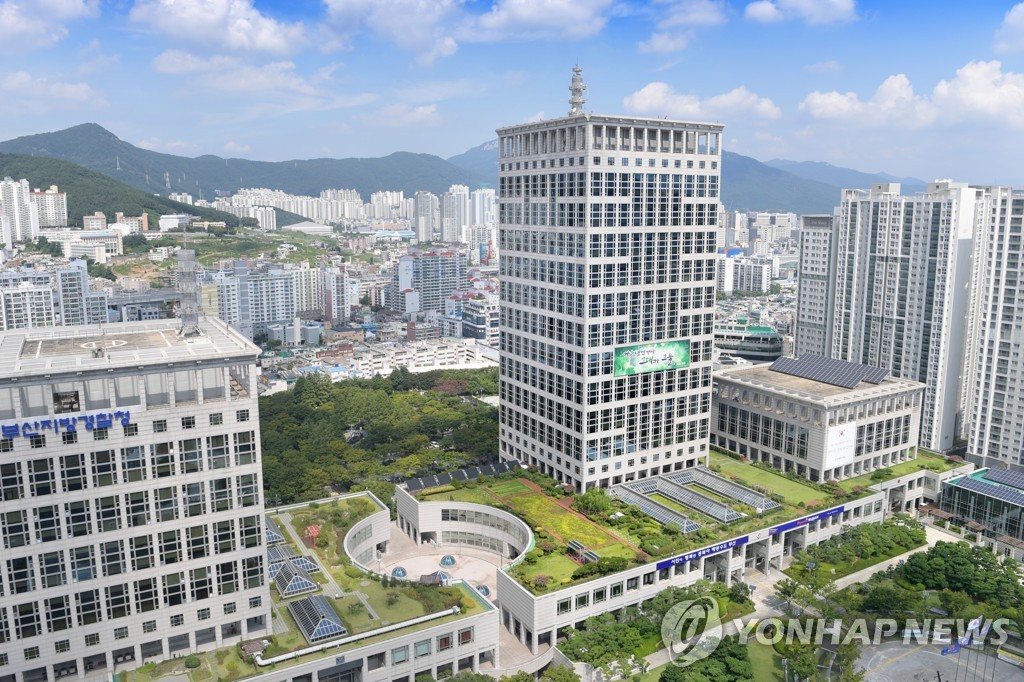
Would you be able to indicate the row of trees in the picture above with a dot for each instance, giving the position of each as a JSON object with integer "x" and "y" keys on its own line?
{"x": 369, "y": 434}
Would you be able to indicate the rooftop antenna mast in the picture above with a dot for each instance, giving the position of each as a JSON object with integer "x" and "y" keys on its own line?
{"x": 576, "y": 90}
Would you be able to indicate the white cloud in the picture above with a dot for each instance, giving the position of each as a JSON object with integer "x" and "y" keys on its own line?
{"x": 677, "y": 20}
{"x": 983, "y": 90}
{"x": 27, "y": 26}
{"x": 1010, "y": 35}
{"x": 662, "y": 43}
{"x": 224, "y": 24}
{"x": 810, "y": 11}
{"x": 660, "y": 99}
{"x": 23, "y": 92}
{"x": 232, "y": 147}
{"x": 537, "y": 19}
{"x": 404, "y": 115}
{"x": 94, "y": 58}
{"x": 421, "y": 26}
{"x": 830, "y": 66}
{"x": 979, "y": 91}
{"x": 233, "y": 74}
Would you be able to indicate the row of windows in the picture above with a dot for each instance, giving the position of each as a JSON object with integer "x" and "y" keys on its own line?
{"x": 421, "y": 649}
{"x": 541, "y": 241}
{"x": 549, "y": 299}
{"x": 126, "y": 465}
{"x": 529, "y": 426}
{"x": 134, "y": 509}
{"x": 87, "y": 607}
{"x": 555, "y": 410}
{"x": 537, "y": 351}
{"x": 542, "y": 379}
{"x": 541, "y": 270}
{"x": 93, "y": 639}
{"x": 648, "y": 384}
{"x": 552, "y": 327}
{"x": 779, "y": 435}
{"x": 650, "y": 271}
{"x": 481, "y": 518}
{"x": 645, "y": 325}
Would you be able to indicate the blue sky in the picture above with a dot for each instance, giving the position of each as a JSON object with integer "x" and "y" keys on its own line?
{"x": 928, "y": 89}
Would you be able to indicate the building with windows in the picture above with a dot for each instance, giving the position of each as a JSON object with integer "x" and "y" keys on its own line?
{"x": 607, "y": 232}
{"x": 422, "y": 281}
{"x": 897, "y": 291}
{"x": 52, "y": 205}
{"x": 990, "y": 503}
{"x": 819, "y": 419}
{"x": 130, "y": 497}
{"x": 19, "y": 215}
{"x": 993, "y": 395}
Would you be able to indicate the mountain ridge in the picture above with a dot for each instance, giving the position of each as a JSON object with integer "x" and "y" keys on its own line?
{"x": 748, "y": 184}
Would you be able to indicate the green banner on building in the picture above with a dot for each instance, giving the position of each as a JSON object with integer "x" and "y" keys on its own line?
{"x": 651, "y": 357}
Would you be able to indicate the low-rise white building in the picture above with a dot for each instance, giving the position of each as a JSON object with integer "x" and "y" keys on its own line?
{"x": 819, "y": 418}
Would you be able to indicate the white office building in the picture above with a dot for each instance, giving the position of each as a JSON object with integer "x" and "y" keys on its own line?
{"x": 132, "y": 519}
{"x": 52, "y": 205}
{"x": 455, "y": 214}
{"x": 607, "y": 229}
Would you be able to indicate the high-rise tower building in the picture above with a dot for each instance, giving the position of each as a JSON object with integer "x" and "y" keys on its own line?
{"x": 898, "y": 291}
{"x": 19, "y": 215}
{"x": 607, "y": 238}
{"x": 132, "y": 524}
{"x": 427, "y": 216}
{"x": 995, "y": 430}
{"x": 455, "y": 214}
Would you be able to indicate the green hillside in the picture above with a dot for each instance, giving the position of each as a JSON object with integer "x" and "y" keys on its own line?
{"x": 92, "y": 146}
{"x": 89, "y": 191}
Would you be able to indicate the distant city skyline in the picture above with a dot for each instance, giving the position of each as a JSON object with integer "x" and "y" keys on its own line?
{"x": 915, "y": 89}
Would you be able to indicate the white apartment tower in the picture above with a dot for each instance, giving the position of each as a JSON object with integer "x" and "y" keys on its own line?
{"x": 899, "y": 291}
{"x": 607, "y": 233}
{"x": 995, "y": 433}
{"x": 132, "y": 522}
{"x": 19, "y": 215}
{"x": 814, "y": 285}
{"x": 455, "y": 214}
{"x": 52, "y": 205}
{"x": 426, "y": 216}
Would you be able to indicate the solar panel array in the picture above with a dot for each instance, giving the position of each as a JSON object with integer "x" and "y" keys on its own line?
{"x": 590, "y": 556}
{"x": 273, "y": 532}
{"x": 705, "y": 505}
{"x": 317, "y": 619}
{"x": 427, "y": 482}
{"x": 291, "y": 580}
{"x": 999, "y": 492}
{"x": 656, "y": 511}
{"x": 1006, "y": 477}
{"x": 830, "y": 370}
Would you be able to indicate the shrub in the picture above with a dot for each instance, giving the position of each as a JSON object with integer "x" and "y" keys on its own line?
{"x": 355, "y": 607}
{"x": 971, "y": 537}
{"x": 940, "y": 523}
{"x": 955, "y": 529}
{"x": 353, "y": 572}
{"x": 540, "y": 581}
{"x": 192, "y": 662}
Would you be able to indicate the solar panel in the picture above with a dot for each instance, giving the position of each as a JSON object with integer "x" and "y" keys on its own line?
{"x": 291, "y": 580}
{"x": 999, "y": 492}
{"x": 273, "y": 532}
{"x": 590, "y": 556}
{"x": 1006, "y": 477}
{"x": 716, "y": 484}
{"x": 698, "y": 502}
{"x": 444, "y": 479}
{"x": 655, "y": 510}
{"x": 317, "y": 619}
{"x": 830, "y": 370}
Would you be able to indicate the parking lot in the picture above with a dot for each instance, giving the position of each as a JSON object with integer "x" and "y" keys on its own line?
{"x": 898, "y": 662}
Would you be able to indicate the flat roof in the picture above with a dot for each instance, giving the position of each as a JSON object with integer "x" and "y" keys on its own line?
{"x": 24, "y": 352}
{"x": 606, "y": 119}
{"x": 764, "y": 377}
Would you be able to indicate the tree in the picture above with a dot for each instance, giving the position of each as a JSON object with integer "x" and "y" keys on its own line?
{"x": 845, "y": 661}
{"x": 520, "y": 676}
{"x": 739, "y": 592}
{"x": 559, "y": 674}
{"x": 672, "y": 673}
{"x": 593, "y": 502}
{"x": 787, "y": 589}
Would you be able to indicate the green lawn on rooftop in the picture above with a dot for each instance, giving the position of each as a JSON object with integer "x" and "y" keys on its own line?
{"x": 793, "y": 491}
{"x": 923, "y": 462}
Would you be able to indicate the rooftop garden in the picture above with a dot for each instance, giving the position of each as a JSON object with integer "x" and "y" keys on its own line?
{"x": 620, "y": 534}
{"x": 368, "y": 601}
{"x": 925, "y": 461}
